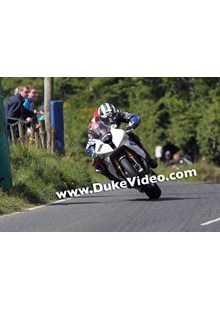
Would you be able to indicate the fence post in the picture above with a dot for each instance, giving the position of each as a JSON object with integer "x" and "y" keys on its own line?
{"x": 42, "y": 133}
{"x": 5, "y": 167}
{"x": 37, "y": 138}
{"x": 21, "y": 133}
{"x": 31, "y": 136}
{"x": 13, "y": 134}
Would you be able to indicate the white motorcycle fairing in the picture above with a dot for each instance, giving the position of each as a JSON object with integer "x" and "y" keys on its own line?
{"x": 119, "y": 138}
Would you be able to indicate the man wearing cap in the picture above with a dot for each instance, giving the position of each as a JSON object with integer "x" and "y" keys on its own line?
{"x": 168, "y": 157}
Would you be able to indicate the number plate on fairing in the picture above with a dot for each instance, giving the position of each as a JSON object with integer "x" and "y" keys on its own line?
{"x": 100, "y": 147}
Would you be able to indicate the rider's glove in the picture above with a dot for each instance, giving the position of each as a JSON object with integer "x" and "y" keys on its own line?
{"x": 128, "y": 129}
{"x": 131, "y": 126}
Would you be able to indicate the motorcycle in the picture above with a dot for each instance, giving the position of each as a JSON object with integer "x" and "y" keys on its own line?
{"x": 125, "y": 159}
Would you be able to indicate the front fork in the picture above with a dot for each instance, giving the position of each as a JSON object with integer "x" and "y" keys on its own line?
{"x": 135, "y": 161}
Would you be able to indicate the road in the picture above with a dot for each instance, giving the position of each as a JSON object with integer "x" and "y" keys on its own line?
{"x": 182, "y": 207}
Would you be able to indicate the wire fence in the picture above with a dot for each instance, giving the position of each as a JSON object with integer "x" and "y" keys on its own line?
{"x": 22, "y": 132}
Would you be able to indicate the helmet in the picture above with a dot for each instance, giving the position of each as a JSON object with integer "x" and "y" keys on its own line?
{"x": 107, "y": 113}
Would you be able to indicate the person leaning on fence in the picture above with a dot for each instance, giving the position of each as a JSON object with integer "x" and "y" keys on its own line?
{"x": 14, "y": 108}
{"x": 15, "y": 111}
{"x": 31, "y": 100}
{"x": 29, "y": 104}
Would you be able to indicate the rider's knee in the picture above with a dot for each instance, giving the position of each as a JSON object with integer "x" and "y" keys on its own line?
{"x": 90, "y": 150}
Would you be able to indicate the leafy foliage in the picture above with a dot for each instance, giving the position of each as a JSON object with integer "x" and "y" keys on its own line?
{"x": 184, "y": 112}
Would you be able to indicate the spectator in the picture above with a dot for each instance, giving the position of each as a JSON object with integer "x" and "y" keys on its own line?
{"x": 16, "y": 91}
{"x": 30, "y": 101}
{"x": 14, "y": 108}
{"x": 179, "y": 161}
{"x": 168, "y": 157}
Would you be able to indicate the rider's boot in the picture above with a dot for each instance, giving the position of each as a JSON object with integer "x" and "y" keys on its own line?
{"x": 152, "y": 163}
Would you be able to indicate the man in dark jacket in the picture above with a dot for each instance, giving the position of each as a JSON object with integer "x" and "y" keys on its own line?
{"x": 14, "y": 108}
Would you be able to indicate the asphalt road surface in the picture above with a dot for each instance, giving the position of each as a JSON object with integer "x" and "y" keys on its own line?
{"x": 182, "y": 207}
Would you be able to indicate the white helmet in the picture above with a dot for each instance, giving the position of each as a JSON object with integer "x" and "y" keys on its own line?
{"x": 107, "y": 113}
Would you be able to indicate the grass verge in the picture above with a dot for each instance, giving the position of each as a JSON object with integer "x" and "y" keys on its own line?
{"x": 37, "y": 176}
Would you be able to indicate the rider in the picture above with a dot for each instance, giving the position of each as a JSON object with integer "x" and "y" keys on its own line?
{"x": 108, "y": 115}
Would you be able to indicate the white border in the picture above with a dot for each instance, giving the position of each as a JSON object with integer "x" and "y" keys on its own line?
{"x": 109, "y": 271}
{"x": 110, "y": 38}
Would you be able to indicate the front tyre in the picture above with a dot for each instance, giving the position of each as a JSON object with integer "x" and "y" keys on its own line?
{"x": 151, "y": 190}
{"x": 129, "y": 170}
{"x": 154, "y": 192}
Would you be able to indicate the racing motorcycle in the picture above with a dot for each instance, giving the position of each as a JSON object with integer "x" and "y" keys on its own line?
{"x": 125, "y": 159}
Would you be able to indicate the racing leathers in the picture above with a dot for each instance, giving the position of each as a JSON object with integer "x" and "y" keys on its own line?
{"x": 132, "y": 120}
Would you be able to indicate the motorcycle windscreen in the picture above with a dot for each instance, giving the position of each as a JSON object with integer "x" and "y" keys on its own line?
{"x": 99, "y": 129}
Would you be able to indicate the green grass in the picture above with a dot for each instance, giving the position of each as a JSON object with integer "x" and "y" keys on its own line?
{"x": 206, "y": 172}
{"x": 37, "y": 176}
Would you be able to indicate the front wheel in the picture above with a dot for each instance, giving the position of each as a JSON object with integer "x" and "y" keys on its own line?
{"x": 129, "y": 170}
{"x": 151, "y": 190}
{"x": 154, "y": 192}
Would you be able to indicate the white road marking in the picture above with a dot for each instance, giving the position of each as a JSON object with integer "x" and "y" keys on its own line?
{"x": 48, "y": 204}
{"x": 51, "y": 204}
{"x": 61, "y": 200}
{"x": 35, "y": 208}
{"x": 210, "y": 222}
